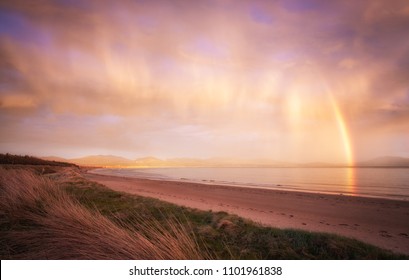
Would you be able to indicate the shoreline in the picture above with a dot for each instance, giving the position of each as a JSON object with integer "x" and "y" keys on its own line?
{"x": 378, "y": 221}
{"x": 318, "y": 188}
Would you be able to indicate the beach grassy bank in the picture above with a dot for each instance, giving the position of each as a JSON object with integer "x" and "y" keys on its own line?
{"x": 62, "y": 215}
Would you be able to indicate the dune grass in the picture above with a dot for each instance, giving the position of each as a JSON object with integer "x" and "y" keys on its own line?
{"x": 69, "y": 217}
{"x": 225, "y": 236}
{"x": 39, "y": 220}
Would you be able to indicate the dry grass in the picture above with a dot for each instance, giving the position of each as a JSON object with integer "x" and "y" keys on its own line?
{"x": 38, "y": 220}
{"x": 68, "y": 217}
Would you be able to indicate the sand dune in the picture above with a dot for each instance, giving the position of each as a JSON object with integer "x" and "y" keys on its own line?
{"x": 39, "y": 220}
{"x": 381, "y": 222}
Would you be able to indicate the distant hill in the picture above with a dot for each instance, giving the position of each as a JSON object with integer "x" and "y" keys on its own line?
{"x": 102, "y": 160}
{"x": 52, "y": 158}
{"x": 116, "y": 161}
{"x": 149, "y": 161}
{"x": 387, "y": 161}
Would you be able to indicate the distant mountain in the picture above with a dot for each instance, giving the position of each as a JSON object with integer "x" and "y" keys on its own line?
{"x": 174, "y": 162}
{"x": 387, "y": 161}
{"x": 231, "y": 162}
{"x": 116, "y": 161}
{"x": 52, "y": 158}
{"x": 188, "y": 162}
{"x": 148, "y": 161}
{"x": 102, "y": 160}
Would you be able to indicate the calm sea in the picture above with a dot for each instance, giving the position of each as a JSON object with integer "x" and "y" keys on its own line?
{"x": 392, "y": 183}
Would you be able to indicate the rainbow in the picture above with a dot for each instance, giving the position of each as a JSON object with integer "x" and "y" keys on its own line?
{"x": 346, "y": 141}
{"x": 341, "y": 123}
{"x": 343, "y": 130}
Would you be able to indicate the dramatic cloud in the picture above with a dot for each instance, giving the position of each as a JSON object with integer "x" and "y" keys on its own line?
{"x": 287, "y": 80}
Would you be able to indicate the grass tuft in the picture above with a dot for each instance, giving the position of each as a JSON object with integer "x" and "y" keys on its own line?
{"x": 39, "y": 220}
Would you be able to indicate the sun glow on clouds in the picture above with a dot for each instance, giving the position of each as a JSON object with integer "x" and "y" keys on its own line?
{"x": 205, "y": 78}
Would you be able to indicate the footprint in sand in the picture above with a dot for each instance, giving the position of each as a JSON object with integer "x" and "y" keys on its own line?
{"x": 304, "y": 224}
{"x": 384, "y": 233}
{"x": 344, "y": 225}
{"x": 404, "y": 234}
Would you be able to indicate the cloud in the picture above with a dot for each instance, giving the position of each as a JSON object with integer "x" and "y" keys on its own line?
{"x": 232, "y": 72}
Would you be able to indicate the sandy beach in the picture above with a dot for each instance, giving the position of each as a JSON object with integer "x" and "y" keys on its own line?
{"x": 381, "y": 222}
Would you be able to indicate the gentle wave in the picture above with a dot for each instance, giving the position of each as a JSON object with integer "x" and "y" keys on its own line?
{"x": 391, "y": 183}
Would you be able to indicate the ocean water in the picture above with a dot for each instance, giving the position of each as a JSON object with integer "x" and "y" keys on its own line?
{"x": 391, "y": 183}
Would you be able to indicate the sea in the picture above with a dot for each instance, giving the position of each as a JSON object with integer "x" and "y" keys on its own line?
{"x": 390, "y": 183}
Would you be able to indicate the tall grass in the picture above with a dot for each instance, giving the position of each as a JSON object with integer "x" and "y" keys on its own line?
{"x": 70, "y": 217}
{"x": 39, "y": 220}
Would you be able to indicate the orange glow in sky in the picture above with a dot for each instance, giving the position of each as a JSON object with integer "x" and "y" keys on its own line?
{"x": 212, "y": 78}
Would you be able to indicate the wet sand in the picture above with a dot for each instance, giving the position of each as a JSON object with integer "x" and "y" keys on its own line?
{"x": 382, "y": 222}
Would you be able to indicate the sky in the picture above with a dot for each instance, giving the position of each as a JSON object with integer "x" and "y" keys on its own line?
{"x": 285, "y": 80}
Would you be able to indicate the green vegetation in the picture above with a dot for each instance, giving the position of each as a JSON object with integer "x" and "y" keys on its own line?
{"x": 61, "y": 215}
{"x": 223, "y": 235}
{"x": 29, "y": 160}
